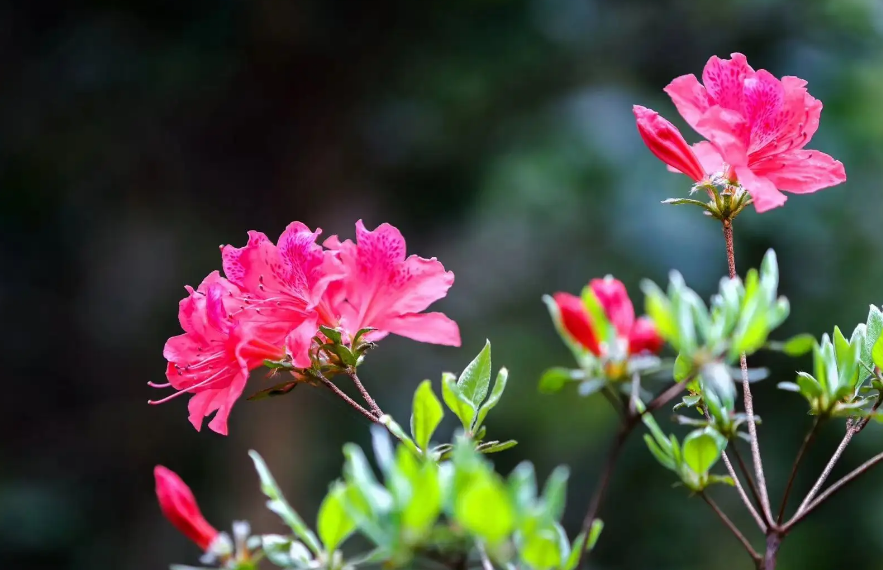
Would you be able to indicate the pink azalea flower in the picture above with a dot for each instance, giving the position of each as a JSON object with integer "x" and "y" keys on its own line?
{"x": 757, "y": 127}
{"x": 286, "y": 286}
{"x": 666, "y": 142}
{"x": 636, "y": 336}
{"x": 179, "y": 506}
{"x": 213, "y": 357}
{"x": 388, "y": 291}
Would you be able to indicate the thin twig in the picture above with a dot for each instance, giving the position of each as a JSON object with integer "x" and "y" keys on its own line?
{"x": 636, "y": 388}
{"x": 355, "y": 405}
{"x": 744, "y": 469}
{"x": 851, "y": 430}
{"x": 362, "y": 390}
{"x": 630, "y": 421}
{"x": 746, "y": 392}
{"x": 736, "y": 483}
{"x": 807, "y": 441}
{"x": 741, "y": 490}
{"x": 729, "y": 524}
{"x": 829, "y": 492}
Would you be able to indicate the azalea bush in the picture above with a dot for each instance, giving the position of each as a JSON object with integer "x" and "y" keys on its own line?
{"x": 312, "y": 312}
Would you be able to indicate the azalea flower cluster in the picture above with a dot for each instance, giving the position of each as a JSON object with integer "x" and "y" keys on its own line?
{"x": 756, "y": 128}
{"x": 621, "y": 337}
{"x": 275, "y": 297}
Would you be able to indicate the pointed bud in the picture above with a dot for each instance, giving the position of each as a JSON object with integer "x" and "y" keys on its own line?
{"x": 179, "y": 506}
{"x": 644, "y": 337}
{"x": 575, "y": 320}
{"x": 666, "y": 143}
{"x": 614, "y": 299}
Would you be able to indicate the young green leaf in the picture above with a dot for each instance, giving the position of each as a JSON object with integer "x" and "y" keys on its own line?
{"x": 555, "y": 492}
{"x": 425, "y": 504}
{"x": 541, "y": 550}
{"x": 522, "y": 485}
{"x": 497, "y": 446}
{"x": 702, "y": 449}
{"x": 476, "y": 378}
{"x": 658, "y": 308}
{"x": 877, "y": 352}
{"x": 494, "y": 398}
{"x": 456, "y": 402}
{"x": 483, "y": 508}
{"x": 427, "y": 414}
{"x": 682, "y": 368}
{"x": 280, "y": 506}
{"x": 334, "y": 523}
{"x": 664, "y": 459}
{"x": 798, "y": 345}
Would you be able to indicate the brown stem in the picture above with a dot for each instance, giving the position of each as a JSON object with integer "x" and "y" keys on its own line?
{"x": 340, "y": 394}
{"x": 735, "y": 530}
{"x": 744, "y": 469}
{"x": 486, "y": 563}
{"x": 829, "y": 492}
{"x": 746, "y": 392}
{"x": 773, "y": 541}
{"x": 741, "y": 491}
{"x": 851, "y": 430}
{"x": 807, "y": 441}
{"x": 630, "y": 421}
{"x": 362, "y": 390}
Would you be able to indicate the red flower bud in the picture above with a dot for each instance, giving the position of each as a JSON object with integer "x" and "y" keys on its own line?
{"x": 575, "y": 319}
{"x": 644, "y": 337}
{"x": 666, "y": 143}
{"x": 179, "y": 506}
{"x": 614, "y": 299}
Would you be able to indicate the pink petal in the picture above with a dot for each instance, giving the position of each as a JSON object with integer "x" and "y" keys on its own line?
{"x": 225, "y": 400}
{"x": 575, "y": 320}
{"x": 308, "y": 268}
{"x": 763, "y": 191}
{"x": 709, "y": 157}
{"x": 802, "y": 171}
{"x": 793, "y": 126}
{"x": 724, "y": 80}
{"x": 614, "y": 298}
{"x": 644, "y": 338}
{"x": 728, "y": 131}
{"x": 299, "y": 340}
{"x": 689, "y": 96}
{"x": 434, "y": 328}
{"x": 764, "y": 99}
{"x": 254, "y": 266}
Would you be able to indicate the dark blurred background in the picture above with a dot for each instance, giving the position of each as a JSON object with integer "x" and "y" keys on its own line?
{"x": 497, "y": 134}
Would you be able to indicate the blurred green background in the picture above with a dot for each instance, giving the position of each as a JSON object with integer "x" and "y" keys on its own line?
{"x": 497, "y": 134}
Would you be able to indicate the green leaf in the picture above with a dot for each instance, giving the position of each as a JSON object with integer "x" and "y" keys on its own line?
{"x": 542, "y": 550}
{"x": 554, "y": 379}
{"x": 483, "y": 508}
{"x": 597, "y": 315}
{"x": 397, "y": 431}
{"x": 476, "y": 378}
{"x": 658, "y": 308}
{"x": 497, "y": 446}
{"x": 494, "y": 398}
{"x": 702, "y": 449}
{"x": 334, "y": 524}
{"x": 359, "y": 475}
{"x": 278, "y": 390}
{"x": 798, "y": 345}
{"x": 280, "y": 506}
{"x": 873, "y": 332}
{"x": 522, "y": 484}
{"x": 682, "y": 368}
{"x": 427, "y": 414}
{"x": 589, "y": 387}
{"x": 333, "y": 335}
{"x": 594, "y": 534}
{"x": 457, "y": 403}
{"x": 555, "y": 492}
{"x": 877, "y": 352}
{"x": 660, "y": 455}
{"x": 425, "y": 504}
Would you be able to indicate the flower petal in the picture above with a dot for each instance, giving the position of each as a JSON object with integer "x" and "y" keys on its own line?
{"x": 763, "y": 192}
{"x": 434, "y": 328}
{"x": 644, "y": 337}
{"x": 728, "y": 131}
{"x": 724, "y": 80}
{"x": 689, "y": 96}
{"x": 802, "y": 171}
{"x": 575, "y": 320}
{"x": 614, "y": 298}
